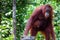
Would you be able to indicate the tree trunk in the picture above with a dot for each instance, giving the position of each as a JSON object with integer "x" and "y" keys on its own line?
{"x": 14, "y": 18}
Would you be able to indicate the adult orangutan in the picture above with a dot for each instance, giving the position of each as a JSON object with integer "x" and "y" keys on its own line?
{"x": 41, "y": 21}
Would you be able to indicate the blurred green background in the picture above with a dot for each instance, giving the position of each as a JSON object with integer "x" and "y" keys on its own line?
{"x": 24, "y": 9}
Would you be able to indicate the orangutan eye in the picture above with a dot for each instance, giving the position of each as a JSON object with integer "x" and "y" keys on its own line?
{"x": 48, "y": 11}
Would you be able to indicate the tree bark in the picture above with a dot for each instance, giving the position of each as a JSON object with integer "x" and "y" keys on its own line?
{"x": 14, "y": 18}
